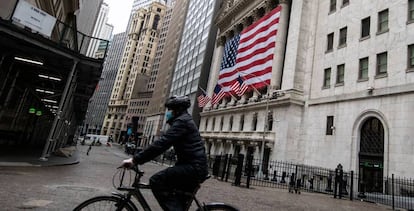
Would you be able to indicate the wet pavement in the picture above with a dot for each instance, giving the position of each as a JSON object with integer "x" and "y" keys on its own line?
{"x": 57, "y": 187}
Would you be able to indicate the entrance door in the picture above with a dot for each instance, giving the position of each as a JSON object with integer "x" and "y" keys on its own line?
{"x": 371, "y": 156}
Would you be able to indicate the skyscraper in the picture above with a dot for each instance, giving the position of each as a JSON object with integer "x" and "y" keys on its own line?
{"x": 163, "y": 68}
{"x": 128, "y": 98}
{"x": 196, "y": 49}
{"x": 99, "y": 101}
{"x": 101, "y": 30}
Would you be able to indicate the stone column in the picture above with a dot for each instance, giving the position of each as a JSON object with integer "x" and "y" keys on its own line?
{"x": 215, "y": 67}
{"x": 281, "y": 38}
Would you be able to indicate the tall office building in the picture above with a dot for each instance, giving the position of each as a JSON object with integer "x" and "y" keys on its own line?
{"x": 196, "y": 49}
{"x": 99, "y": 101}
{"x": 134, "y": 72}
{"x": 163, "y": 68}
{"x": 101, "y": 29}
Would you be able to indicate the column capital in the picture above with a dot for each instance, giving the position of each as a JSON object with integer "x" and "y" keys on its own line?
{"x": 221, "y": 41}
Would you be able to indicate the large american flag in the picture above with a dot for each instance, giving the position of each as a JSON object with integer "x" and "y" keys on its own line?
{"x": 218, "y": 94}
{"x": 203, "y": 99}
{"x": 250, "y": 54}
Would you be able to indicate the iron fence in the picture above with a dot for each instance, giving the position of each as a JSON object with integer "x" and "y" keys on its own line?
{"x": 397, "y": 192}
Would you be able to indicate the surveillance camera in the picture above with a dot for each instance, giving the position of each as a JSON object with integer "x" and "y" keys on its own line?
{"x": 370, "y": 88}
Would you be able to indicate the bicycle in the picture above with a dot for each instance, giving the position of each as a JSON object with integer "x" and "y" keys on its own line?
{"x": 123, "y": 201}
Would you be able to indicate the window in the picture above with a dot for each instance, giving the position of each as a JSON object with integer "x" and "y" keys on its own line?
{"x": 327, "y": 78}
{"x": 329, "y": 125}
{"x": 411, "y": 56}
{"x": 365, "y": 25}
{"x": 410, "y": 11}
{"x": 363, "y": 69}
{"x": 269, "y": 121}
{"x": 382, "y": 63}
{"x": 231, "y": 123}
{"x": 332, "y": 6}
{"x": 254, "y": 122}
{"x": 345, "y": 2}
{"x": 205, "y": 126}
{"x": 221, "y": 123}
{"x": 383, "y": 21}
{"x": 330, "y": 39}
{"x": 340, "y": 74}
{"x": 342, "y": 36}
{"x": 241, "y": 122}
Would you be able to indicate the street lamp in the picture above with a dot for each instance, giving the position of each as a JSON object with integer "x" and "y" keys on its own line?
{"x": 265, "y": 129}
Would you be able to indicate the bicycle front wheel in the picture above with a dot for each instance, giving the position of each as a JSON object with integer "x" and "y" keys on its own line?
{"x": 104, "y": 203}
{"x": 218, "y": 207}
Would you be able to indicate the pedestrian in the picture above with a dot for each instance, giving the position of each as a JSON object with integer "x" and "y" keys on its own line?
{"x": 191, "y": 167}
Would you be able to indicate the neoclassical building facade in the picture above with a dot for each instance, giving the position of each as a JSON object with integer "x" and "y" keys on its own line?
{"x": 341, "y": 90}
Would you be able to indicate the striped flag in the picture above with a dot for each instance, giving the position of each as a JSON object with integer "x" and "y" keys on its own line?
{"x": 203, "y": 99}
{"x": 239, "y": 87}
{"x": 217, "y": 95}
{"x": 254, "y": 55}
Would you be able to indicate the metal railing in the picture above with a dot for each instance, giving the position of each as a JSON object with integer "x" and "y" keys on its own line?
{"x": 397, "y": 192}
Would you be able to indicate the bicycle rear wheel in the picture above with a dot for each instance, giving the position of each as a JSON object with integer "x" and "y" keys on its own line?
{"x": 103, "y": 203}
{"x": 218, "y": 207}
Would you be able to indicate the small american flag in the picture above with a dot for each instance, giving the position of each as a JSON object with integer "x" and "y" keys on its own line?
{"x": 251, "y": 53}
{"x": 217, "y": 95}
{"x": 239, "y": 87}
{"x": 203, "y": 99}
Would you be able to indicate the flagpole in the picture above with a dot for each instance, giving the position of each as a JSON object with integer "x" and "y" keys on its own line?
{"x": 266, "y": 126}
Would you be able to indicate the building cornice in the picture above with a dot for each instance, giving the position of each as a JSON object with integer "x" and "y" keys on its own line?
{"x": 288, "y": 98}
{"x": 365, "y": 94}
{"x": 227, "y": 18}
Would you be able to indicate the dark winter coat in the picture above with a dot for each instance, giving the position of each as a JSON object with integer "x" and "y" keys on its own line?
{"x": 184, "y": 136}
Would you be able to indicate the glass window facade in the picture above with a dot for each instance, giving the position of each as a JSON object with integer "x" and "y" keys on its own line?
{"x": 193, "y": 46}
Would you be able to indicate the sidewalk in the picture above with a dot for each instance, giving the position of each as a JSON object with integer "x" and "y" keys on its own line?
{"x": 16, "y": 156}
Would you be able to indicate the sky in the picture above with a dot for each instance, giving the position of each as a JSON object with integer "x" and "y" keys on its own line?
{"x": 119, "y": 14}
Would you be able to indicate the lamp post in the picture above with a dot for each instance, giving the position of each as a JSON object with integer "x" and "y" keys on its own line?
{"x": 265, "y": 129}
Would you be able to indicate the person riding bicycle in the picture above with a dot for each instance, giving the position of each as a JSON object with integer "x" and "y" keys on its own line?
{"x": 191, "y": 167}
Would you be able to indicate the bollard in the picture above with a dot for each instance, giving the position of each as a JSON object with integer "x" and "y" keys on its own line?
{"x": 338, "y": 181}
{"x": 249, "y": 169}
{"x": 238, "y": 171}
{"x": 223, "y": 173}
{"x": 283, "y": 177}
{"x": 216, "y": 165}
{"x": 329, "y": 181}
{"x": 274, "y": 179}
{"x": 311, "y": 183}
{"x": 351, "y": 196}
{"x": 292, "y": 183}
{"x": 228, "y": 168}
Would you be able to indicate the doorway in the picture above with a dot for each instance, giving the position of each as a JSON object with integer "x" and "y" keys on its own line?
{"x": 371, "y": 156}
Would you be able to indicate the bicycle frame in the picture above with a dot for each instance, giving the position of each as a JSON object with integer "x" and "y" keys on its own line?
{"x": 135, "y": 191}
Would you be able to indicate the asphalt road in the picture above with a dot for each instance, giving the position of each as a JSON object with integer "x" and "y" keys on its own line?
{"x": 63, "y": 187}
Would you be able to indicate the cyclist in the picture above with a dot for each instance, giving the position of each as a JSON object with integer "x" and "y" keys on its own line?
{"x": 191, "y": 166}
